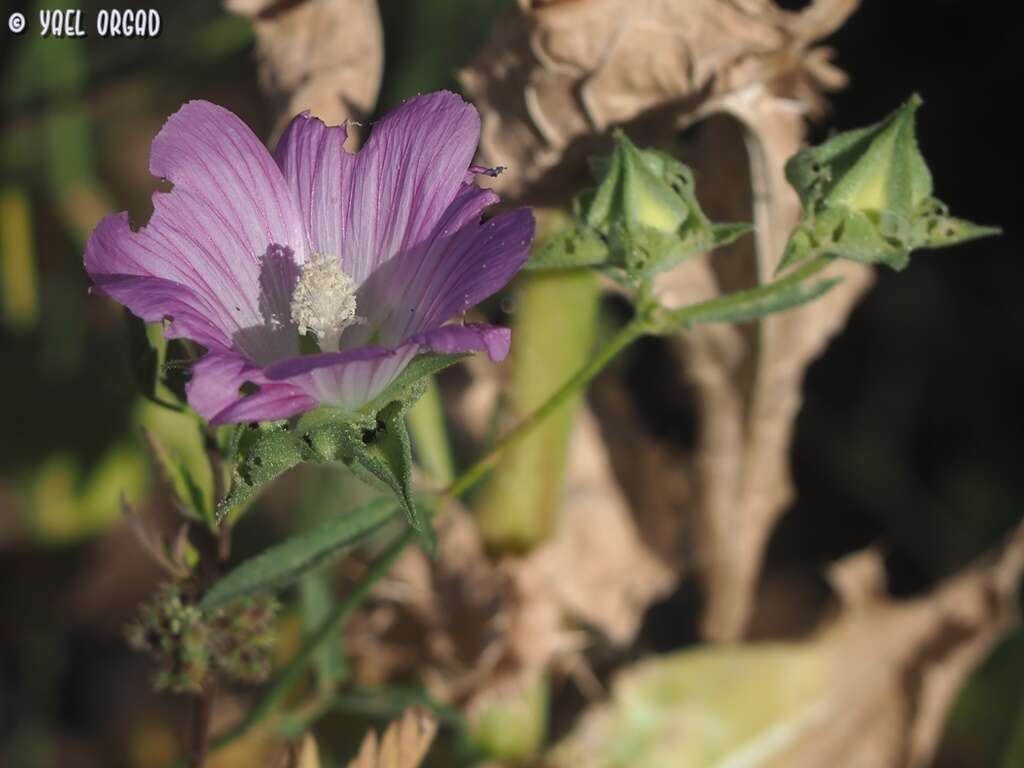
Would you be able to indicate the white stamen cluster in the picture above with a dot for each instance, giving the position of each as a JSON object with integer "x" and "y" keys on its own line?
{"x": 324, "y": 300}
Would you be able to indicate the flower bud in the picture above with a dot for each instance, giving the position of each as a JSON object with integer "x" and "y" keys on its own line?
{"x": 867, "y": 196}
{"x": 646, "y": 210}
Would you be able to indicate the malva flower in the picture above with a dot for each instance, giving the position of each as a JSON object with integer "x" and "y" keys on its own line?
{"x": 367, "y": 255}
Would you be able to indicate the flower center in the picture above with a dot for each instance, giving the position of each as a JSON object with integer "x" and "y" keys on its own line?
{"x": 324, "y": 300}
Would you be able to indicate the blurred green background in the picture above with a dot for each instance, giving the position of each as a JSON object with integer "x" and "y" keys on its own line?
{"x": 910, "y": 435}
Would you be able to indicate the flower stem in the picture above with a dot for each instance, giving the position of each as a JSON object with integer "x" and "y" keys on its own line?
{"x": 202, "y": 713}
{"x": 327, "y": 629}
{"x": 633, "y": 330}
{"x": 649, "y": 319}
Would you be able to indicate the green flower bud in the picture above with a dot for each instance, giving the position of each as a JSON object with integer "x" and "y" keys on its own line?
{"x": 867, "y": 196}
{"x": 639, "y": 189}
{"x": 646, "y": 211}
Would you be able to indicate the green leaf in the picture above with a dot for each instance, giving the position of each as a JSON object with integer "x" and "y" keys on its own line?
{"x": 146, "y": 347}
{"x": 317, "y": 600}
{"x": 696, "y": 708}
{"x": 867, "y": 196}
{"x": 729, "y": 232}
{"x": 756, "y": 307}
{"x": 264, "y": 453}
{"x": 192, "y": 499}
{"x": 743, "y": 306}
{"x": 285, "y": 563}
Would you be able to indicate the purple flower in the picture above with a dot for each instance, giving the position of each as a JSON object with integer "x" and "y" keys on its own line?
{"x": 367, "y": 254}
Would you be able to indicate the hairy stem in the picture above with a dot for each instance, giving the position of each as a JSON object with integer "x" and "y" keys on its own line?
{"x": 327, "y": 629}
{"x": 202, "y": 714}
{"x": 632, "y": 331}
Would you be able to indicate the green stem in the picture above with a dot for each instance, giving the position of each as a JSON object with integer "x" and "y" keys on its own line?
{"x": 648, "y": 319}
{"x": 327, "y": 629}
{"x": 640, "y": 325}
{"x": 633, "y": 330}
{"x": 710, "y": 311}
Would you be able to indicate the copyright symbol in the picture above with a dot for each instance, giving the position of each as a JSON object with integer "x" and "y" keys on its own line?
{"x": 16, "y": 23}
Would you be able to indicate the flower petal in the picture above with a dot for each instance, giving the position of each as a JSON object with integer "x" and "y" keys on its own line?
{"x": 473, "y": 337}
{"x": 301, "y": 364}
{"x": 313, "y": 160}
{"x": 155, "y": 299}
{"x": 399, "y": 185}
{"x": 351, "y": 378}
{"x": 230, "y": 208}
{"x": 215, "y": 392}
{"x": 347, "y": 379}
{"x": 461, "y": 264}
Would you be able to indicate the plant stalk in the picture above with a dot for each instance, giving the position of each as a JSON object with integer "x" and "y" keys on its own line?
{"x": 629, "y": 333}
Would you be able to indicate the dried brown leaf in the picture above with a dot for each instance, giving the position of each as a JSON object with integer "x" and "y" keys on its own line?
{"x": 404, "y": 744}
{"x": 326, "y": 56}
{"x": 472, "y": 628}
{"x": 559, "y": 74}
{"x": 552, "y": 82}
{"x": 872, "y": 690}
{"x": 748, "y": 379}
{"x": 596, "y": 566}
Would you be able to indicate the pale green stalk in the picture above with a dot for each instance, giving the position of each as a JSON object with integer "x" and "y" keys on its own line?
{"x": 554, "y": 332}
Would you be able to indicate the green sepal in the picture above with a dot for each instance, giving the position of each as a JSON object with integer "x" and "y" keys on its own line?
{"x": 384, "y": 452}
{"x": 264, "y": 453}
{"x": 373, "y": 442}
{"x": 867, "y": 196}
{"x": 283, "y": 564}
{"x": 578, "y": 247}
{"x": 375, "y": 446}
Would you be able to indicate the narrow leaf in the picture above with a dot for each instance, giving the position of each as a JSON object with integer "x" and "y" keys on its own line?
{"x": 755, "y": 307}
{"x": 787, "y": 292}
{"x": 317, "y": 600}
{"x": 285, "y": 563}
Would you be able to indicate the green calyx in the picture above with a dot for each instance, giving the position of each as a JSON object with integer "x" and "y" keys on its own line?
{"x": 642, "y": 218}
{"x": 373, "y": 442}
{"x": 867, "y": 196}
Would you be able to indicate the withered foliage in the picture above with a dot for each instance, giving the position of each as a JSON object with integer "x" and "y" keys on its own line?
{"x": 553, "y": 82}
{"x": 871, "y": 689}
{"x": 404, "y": 744}
{"x": 559, "y": 74}
{"x": 326, "y": 56}
{"x": 472, "y": 627}
{"x": 476, "y": 628}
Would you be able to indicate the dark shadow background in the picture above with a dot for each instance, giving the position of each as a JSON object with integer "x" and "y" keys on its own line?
{"x": 911, "y": 432}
